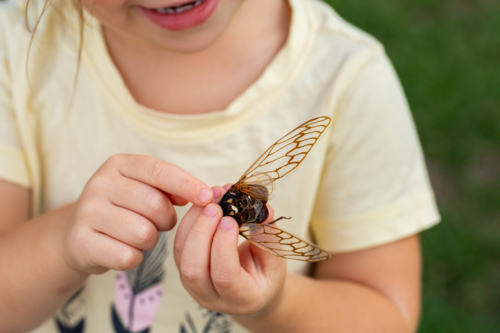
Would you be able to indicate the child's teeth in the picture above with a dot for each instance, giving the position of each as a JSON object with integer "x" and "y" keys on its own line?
{"x": 179, "y": 9}
{"x": 166, "y": 10}
{"x": 183, "y": 8}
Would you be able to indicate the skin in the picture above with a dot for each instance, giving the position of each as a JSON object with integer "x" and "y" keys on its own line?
{"x": 46, "y": 259}
{"x": 211, "y": 67}
{"x": 373, "y": 290}
{"x": 108, "y": 227}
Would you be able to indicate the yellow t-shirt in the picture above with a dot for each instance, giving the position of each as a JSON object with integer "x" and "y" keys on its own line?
{"x": 362, "y": 185}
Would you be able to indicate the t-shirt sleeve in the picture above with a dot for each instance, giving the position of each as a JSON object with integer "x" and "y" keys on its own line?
{"x": 374, "y": 188}
{"x": 13, "y": 165}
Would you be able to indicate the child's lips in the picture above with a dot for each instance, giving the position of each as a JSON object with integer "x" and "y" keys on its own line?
{"x": 181, "y": 15}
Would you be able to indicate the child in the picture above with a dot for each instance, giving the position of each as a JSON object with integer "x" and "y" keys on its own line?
{"x": 170, "y": 96}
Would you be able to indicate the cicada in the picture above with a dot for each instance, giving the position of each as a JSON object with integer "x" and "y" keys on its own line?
{"x": 245, "y": 201}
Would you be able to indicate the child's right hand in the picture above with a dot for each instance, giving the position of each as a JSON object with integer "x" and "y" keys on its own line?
{"x": 122, "y": 208}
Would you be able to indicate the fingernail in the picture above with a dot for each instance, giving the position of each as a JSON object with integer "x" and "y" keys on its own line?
{"x": 210, "y": 211}
{"x": 226, "y": 223}
{"x": 205, "y": 195}
{"x": 217, "y": 193}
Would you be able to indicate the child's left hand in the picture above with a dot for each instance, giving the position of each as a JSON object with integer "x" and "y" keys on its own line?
{"x": 218, "y": 274}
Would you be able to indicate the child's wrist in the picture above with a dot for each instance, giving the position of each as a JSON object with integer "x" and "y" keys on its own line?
{"x": 60, "y": 241}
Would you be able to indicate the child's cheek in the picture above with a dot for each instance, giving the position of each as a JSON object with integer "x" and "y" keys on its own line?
{"x": 107, "y": 10}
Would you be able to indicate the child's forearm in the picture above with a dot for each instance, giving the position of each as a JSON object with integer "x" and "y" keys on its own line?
{"x": 35, "y": 278}
{"x": 312, "y": 305}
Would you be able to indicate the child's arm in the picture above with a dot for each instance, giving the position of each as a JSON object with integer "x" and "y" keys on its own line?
{"x": 118, "y": 215}
{"x": 369, "y": 291}
{"x": 373, "y": 290}
{"x": 35, "y": 278}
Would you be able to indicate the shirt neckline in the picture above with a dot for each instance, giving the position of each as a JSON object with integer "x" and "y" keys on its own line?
{"x": 257, "y": 98}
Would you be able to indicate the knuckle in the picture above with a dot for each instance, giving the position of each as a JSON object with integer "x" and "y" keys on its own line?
{"x": 100, "y": 181}
{"x": 78, "y": 238}
{"x": 86, "y": 210}
{"x": 129, "y": 259}
{"x": 190, "y": 274}
{"x": 76, "y": 243}
{"x": 116, "y": 159}
{"x": 161, "y": 211}
{"x": 159, "y": 169}
{"x": 171, "y": 219}
{"x": 156, "y": 204}
{"x": 187, "y": 183}
{"x": 223, "y": 280}
{"x": 147, "y": 236}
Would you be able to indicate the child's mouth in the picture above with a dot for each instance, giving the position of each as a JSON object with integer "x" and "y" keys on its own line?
{"x": 181, "y": 16}
{"x": 180, "y": 8}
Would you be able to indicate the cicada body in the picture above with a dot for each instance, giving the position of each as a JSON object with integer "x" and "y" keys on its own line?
{"x": 246, "y": 200}
{"x": 243, "y": 207}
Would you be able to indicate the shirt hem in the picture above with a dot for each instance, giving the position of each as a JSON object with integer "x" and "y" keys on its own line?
{"x": 13, "y": 167}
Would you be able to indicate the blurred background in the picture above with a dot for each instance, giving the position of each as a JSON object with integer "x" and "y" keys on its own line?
{"x": 447, "y": 55}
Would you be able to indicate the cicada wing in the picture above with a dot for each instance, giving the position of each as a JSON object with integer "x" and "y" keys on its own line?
{"x": 287, "y": 153}
{"x": 260, "y": 186}
{"x": 281, "y": 243}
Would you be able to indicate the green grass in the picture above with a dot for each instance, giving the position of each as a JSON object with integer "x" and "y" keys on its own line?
{"x": 447, "y": 54}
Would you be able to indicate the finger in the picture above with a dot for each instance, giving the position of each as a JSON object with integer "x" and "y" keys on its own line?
{"x": 249, "y": 252}
{"x": 260, "y": 259}
{"x": 127, "y": 227}
{"x": 218, "y": 194}
{"x": 144, "y": 200}
{"x": 107, "y": 252}
{"x": 187, "y": 222}
{"x": 195, "y": 260}
{"x": 175, "y": 200}
{"x": 261, "y": 254}
{"x": 166, "y": 176}
{"x": 227, "y": 186}
{"x": 225, "y": 270}
{"x": 270, "y": 217}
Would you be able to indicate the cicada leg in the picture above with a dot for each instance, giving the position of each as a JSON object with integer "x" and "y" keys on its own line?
{"x": 281, "y": 218}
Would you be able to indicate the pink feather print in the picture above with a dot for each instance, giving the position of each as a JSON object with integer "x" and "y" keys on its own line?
{"x": 138, "y": 293}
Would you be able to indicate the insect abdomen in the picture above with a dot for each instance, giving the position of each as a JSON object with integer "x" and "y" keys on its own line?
{"x": 230, "y": 203}
{"x": 242, "y": 207}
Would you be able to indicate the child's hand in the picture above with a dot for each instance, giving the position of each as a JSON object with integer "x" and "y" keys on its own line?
{"x": 122, "y": 208}
{"x": 218, "y": 274}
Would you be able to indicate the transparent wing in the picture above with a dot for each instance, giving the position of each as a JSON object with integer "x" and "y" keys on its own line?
{"x": 282, "y": 244}
{"x": 260, "y": 186}
{"x": 287, "y": 153}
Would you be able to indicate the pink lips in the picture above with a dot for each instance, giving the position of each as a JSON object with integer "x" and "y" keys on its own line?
{"x": 185, "y": 20}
